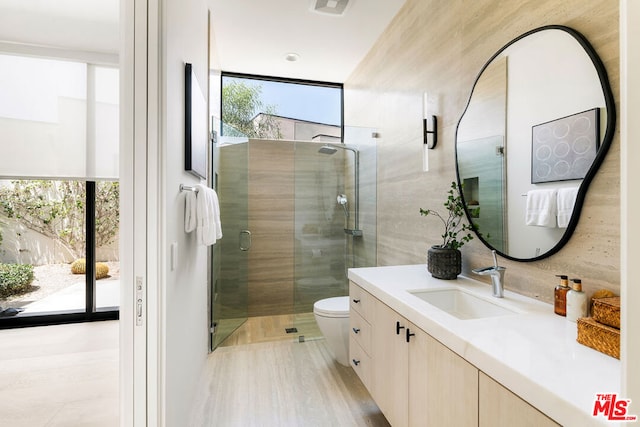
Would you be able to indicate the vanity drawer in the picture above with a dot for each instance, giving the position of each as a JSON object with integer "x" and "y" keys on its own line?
{"x": 360, "y": 330}
{"x": 360, "y": 362}
{"x": 361, "y": 301}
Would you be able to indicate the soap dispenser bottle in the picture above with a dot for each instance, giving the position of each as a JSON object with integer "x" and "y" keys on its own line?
{"x": 576, "y": 301}
{"x": 560, "y": 296}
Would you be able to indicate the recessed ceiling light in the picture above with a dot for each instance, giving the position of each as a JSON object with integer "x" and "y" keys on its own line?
{"x": 292, "y": 57}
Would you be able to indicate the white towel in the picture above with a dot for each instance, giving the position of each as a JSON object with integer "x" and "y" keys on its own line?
{"x": 208, "y": 228}
{"x": 541, "y": 208}
{"x": 566, "y": 202}
{"x": 189, "y": 212}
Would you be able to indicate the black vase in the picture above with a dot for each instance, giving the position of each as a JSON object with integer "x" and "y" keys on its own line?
{"x": 444, "y": 263}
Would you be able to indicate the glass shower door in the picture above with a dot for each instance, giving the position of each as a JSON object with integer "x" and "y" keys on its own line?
{"x": 335, "y": 224}
{"x": 319, "y": 237}
{"x": 229, "y": 263}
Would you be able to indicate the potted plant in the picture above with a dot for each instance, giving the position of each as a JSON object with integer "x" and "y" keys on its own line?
{"x": 444, "y": 261}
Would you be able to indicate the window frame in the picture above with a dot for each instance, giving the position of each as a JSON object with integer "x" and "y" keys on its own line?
{"x": 91, "y": 311}
{"x": 285, "y": 80}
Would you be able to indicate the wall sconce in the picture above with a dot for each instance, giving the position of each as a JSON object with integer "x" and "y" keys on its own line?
{"x": 429, "y": 132}
{"x": 430, "y": 136}
{"x": 429, "y": 124}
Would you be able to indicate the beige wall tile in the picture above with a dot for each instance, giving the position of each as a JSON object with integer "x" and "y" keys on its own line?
{"x": 439, "y": 47}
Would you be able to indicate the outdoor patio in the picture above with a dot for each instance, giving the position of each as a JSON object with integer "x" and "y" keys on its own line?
{"x": 55, "y": 288}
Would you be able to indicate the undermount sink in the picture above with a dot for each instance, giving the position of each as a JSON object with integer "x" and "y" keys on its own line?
{"x": 461, "y": 304}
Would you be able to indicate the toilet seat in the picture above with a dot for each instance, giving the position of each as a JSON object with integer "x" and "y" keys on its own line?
{"x": 332, "y": 307}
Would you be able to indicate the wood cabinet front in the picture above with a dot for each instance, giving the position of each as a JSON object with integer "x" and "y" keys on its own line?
{"x": 390, "y": 365}
{"x": 499, "y": 407}
{"x": 418, "y": 381}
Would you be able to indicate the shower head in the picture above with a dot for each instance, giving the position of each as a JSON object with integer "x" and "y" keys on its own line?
{"x": 332, "y": 148}
{"x": 326, "y": 149}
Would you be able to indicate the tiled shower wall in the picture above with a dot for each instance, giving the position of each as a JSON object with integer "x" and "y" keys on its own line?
{"x": 271, "y": 221}
{"x": 297, "y": 256}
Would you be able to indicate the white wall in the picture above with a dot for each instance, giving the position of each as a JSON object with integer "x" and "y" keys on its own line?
{"x": 630, "y": 199}
{"x": 532, "y": 101}
{"x": 24, "y": 246}
{"x": 184, "y": 294}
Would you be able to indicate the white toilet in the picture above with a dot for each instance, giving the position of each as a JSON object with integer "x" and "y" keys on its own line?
{"x": 332, "y": 317}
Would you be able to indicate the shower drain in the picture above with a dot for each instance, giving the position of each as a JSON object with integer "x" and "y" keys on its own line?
{"x": 291, "y": 330}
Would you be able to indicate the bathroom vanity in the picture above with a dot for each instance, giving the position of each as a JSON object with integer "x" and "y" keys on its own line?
{"x": 445, "y": 352}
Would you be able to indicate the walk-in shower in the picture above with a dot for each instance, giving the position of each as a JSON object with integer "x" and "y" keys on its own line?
{"x": 302, "y": 203}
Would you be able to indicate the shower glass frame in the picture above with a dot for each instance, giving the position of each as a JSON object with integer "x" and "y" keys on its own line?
{"x": 229, "y": 258}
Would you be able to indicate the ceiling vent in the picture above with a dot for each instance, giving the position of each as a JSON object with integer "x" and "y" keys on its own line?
{"x": 330, "y": 7}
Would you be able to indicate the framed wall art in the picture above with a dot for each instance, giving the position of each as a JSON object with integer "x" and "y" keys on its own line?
{"x": 564, "y": 149}
{"x": 195, "y": 125}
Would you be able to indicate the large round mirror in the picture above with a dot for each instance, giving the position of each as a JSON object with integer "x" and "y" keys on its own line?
{"x": 537, "y": 125}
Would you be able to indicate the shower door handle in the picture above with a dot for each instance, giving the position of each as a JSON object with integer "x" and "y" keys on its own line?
{"x": 247, "y": 246}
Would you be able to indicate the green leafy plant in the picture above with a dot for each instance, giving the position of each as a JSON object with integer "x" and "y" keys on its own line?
{"x": 15, "y": 279}
{"x": 240, "y": 104}
{"x": 456, "y": 232}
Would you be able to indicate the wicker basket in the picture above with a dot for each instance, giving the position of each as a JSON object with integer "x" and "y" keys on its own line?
{"x": 599, "y": 337}
{"x": 607, "y": 311}
{"x": 444, "y": 263}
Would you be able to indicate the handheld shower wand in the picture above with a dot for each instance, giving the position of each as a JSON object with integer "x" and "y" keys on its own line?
{"x": 342, "y": 200}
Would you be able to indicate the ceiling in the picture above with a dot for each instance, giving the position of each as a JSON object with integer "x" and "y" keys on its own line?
{"x": 254, "y": 36}
{"x": 83, "y": 25}
{"x": 250, "y": 36}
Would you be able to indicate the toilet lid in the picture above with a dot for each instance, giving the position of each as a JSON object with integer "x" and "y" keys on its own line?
{"x": 334, "y": 307}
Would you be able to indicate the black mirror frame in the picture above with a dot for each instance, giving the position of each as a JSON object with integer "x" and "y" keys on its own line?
{"x": 600, "y": 155}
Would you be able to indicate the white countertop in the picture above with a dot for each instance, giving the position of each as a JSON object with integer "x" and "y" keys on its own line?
{"x": 533, "y": 353}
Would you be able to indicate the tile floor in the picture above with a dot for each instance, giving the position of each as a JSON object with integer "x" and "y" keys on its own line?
{"x": 60, "y": 376}
{"x": 281, "y": 384}
{"x": 67, "y": 376}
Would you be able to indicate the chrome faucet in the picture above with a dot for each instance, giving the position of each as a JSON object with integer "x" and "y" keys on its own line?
{"x": 497, "y": 276}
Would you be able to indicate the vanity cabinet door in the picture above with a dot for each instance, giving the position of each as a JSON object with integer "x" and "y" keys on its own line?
{"x": 445, "y": 385}
{"x": 360, "y": 362}
{"x": 360, "y": 331}
{"x": 499, "y": 407}
{"x": 361, "y": 315}
{"x": 391, "y": 374}
{"x": 418, "y": 348}
{"x": 418, "y": 381}
{"x": 361, "y": 301}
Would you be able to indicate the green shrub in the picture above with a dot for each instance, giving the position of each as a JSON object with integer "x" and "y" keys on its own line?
{"x": 15, "y": 278}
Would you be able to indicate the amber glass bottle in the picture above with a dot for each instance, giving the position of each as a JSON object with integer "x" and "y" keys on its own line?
{"x": 560, "y": 296}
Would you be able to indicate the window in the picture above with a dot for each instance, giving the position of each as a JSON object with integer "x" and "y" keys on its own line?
{"x": 59, "y": 192}
{"x": 270, "y": 108}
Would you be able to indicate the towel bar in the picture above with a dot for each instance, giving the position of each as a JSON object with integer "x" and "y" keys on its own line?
{"x": 188, "y": 188}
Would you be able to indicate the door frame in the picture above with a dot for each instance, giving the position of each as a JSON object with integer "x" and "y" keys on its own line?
{"x": 630, "y": 201}
{"x": 141, "y": 395}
